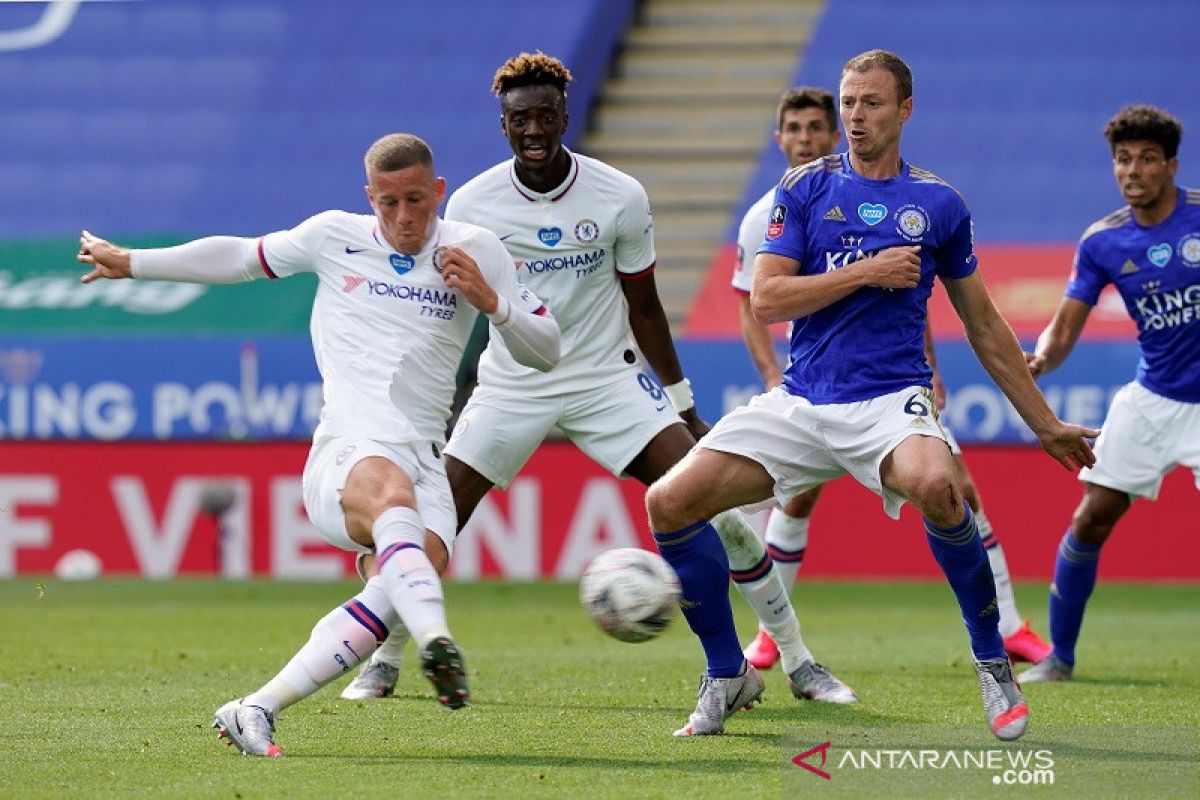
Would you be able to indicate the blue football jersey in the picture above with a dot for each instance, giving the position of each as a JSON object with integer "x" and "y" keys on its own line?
{"x": 1157, "y": 272}
{"x": 871, "y": 342}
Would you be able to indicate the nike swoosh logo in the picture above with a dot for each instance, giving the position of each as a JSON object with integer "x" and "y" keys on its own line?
{"x": 351, "y": 252}
{"x": 507, "y": 236}
{"x": 237, "y": 723}
{"x": 660, "y": 408}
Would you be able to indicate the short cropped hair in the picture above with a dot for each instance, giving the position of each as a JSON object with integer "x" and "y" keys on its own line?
{"x": 1145, "y": 123}
{"x": 531, "y": 69}
{"x": 803, "y": 97}
{"x": 884, "y": 59}
{"x": 397, "y": 151}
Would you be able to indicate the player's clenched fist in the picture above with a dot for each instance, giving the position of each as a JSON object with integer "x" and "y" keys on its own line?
{"x": 459, "y": 271}
{"x": 894, "y": 267}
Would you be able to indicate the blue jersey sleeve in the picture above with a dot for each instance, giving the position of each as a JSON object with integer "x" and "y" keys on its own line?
{"x": 1087, "y": 279}
{"x": 785, "y": 234}
{"x": 956, "y": 257}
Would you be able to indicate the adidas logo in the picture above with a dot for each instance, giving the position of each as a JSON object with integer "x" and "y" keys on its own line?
{"x": 835, "y": 214}
{"x": 1128, "y": 267}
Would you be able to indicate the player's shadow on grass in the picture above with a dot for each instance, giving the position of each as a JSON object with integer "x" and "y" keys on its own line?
{"x": 720, "y": 766}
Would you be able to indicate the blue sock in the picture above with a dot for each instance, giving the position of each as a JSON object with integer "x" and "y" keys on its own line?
{"x": 698, "y": 558}
{"x": 959, "y": 551}
{"x": 1074, "y": 579}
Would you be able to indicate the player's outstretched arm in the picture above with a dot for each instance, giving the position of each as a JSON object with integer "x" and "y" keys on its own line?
{"x": 1056, "y": 342}
{"x": 652, "y": 332}
{"x": 1000, "y": 354}
{"x": 213, "y": 259}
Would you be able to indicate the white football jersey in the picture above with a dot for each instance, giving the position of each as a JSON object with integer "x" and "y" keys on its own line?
{"x": 750, "y": 237}
{"x": 387, "y": 333}
{"x": 571, "y": 246}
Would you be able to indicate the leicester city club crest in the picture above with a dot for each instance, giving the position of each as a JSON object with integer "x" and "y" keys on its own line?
{"x": 1189, "y": 249}
{"x": 912, "y": 222}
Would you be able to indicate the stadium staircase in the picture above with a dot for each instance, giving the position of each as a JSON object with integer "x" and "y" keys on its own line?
{"x": 686, "y": 109}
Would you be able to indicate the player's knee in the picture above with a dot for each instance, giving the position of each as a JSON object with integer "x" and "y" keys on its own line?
{"x": 372, "y": 501}
{"x": 1091, "y": 526}
{"x": 1098, "y": 513}
{"x": 935, "y": 494}
{"x": 802, "y": 505}
{"x": 665, "y": 508}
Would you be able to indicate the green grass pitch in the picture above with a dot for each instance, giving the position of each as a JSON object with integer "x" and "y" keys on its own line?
{"x": 108, "y": 690}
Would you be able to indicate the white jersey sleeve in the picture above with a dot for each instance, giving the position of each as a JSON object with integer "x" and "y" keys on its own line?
{"x": 521, "y": 320}
{"x": 291, "y": 251}
{"x": 213, "y": 259}
{"x": 633, "y": 250}
{"x": 750, "y": 236}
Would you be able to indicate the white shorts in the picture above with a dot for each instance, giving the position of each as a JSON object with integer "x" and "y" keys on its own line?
{"x": 955, "y": 450}
{"x": 1145, "y": 436}
{"x": 498, "y": 430}
{"x": 802, "y": 445}
{"x": 329, "y": 463}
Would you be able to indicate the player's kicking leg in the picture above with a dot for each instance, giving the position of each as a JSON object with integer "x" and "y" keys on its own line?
{"x": 753, "y": 571}
{"x": 679, "y": 505}
{"x": 338, "y": 641}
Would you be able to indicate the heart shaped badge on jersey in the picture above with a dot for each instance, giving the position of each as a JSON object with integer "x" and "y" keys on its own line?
{"x": 1159, "y": 254}
{"x": 872, "y": 213}
{"x": 550, "y": 236}
{"x": 402, "y": 264}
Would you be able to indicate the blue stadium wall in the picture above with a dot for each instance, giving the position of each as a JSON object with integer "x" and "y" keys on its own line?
{"x": 242, "y": 116}
{"x": 163, "y": 119}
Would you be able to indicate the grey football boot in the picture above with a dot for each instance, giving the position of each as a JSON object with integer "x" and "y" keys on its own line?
{"x": 249, "y": 728}
{"x": 1005, "y": 706}
{"x": 1050, "y": 668}
{"x": 718, "y": 698}
{"x": 811, "y": 681}
{"x": 374, "y": 681}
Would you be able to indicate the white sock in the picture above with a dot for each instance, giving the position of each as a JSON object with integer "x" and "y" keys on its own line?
{"x": 787, "y": 540}
{"x": 391, "y": 652}
{"x": 757, "y": 578}
{"x": 1010, "y": 618}
{"x": 411, "y": 582}
{"x": 339, "y": 641}
{"x": 776, "y": 616}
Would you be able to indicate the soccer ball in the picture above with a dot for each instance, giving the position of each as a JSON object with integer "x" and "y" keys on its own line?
{"x": 78, "y": 565}
{"x": 632, "y": 594}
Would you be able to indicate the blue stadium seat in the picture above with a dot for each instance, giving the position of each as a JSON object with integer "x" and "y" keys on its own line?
{"x": 1010, "y": 98}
